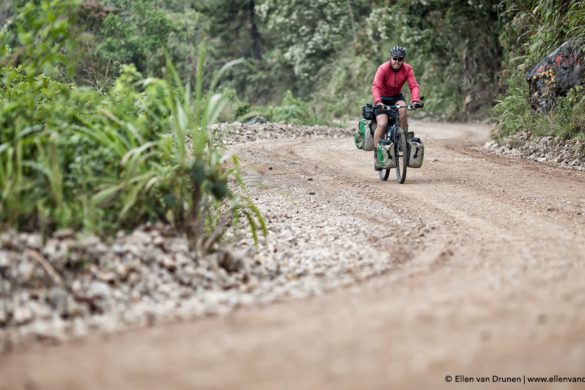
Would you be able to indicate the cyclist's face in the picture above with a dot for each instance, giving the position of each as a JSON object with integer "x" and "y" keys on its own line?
{"x": 396, "y": 62}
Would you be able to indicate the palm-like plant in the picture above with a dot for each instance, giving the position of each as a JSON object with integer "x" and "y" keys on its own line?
{"x": 180, "y": 171}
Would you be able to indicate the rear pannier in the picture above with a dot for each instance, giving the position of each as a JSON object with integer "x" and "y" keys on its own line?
{"x": 363, "y": 136}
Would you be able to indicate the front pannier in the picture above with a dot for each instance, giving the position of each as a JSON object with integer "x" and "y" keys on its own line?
{"x": 417, "y": 153}
{"x": 386, "y": 157}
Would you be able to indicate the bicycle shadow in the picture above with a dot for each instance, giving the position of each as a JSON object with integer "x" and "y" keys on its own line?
{"x": 416, "y": 180}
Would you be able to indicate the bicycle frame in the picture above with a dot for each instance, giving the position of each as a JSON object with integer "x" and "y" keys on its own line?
{"x": 397, "y": 136}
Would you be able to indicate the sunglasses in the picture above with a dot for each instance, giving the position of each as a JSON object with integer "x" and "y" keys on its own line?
{"x": 398, "y": 58}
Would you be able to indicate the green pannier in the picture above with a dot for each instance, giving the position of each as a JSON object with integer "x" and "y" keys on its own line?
{"x": 363, "y": 136}
{"x": 386, "y": 156}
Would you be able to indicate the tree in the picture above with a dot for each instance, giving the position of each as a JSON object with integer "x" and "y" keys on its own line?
{"x": 308, "y": 33}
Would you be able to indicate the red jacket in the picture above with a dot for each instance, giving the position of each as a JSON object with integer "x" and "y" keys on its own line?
{"x": 389, "y": 82}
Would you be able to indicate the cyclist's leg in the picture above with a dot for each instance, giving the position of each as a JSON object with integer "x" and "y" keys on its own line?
{"x": 382, "y": 124}
{"x": 382, "y": 121}
{"x": 403, "y": 114}
{"x": 401, "y": 101}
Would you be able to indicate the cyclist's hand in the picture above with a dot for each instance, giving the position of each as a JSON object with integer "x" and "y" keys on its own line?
{"x": 416, "y": 105}
{"x": 379, "y": 105}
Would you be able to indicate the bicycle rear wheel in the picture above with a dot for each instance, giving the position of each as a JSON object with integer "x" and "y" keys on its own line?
{"x": 401, "y": 153}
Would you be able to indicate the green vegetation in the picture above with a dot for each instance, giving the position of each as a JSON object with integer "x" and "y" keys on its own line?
{"x": 71, "y": 156}
{"x": 322, "y": 55}
{"x": 104, "y": 107}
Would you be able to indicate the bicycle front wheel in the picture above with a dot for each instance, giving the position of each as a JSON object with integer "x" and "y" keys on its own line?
{"x": 384, "y": 173}
{"x": 401, "y": 153}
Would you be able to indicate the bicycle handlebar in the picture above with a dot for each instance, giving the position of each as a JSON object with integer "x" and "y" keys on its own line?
{"x": 396, "y": 107}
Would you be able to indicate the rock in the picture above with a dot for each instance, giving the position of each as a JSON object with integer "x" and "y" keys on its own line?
{"x": 5, "y": 287}
{"x": 55, "y": 252}
{"x": 157, "y": 240}
{"x": 41, "y": 312}
{"x": 89, "y": 242}
{"x": 125, "y": 269}
{"x": 58, "y": 298}
{"x": 133, "y": 279}
{"x": 139, "y": 237}
{"x": 64, "y": 233}
{"x": 256, "y": 120}
{"x": 181, "y": 259}
{"x": 4, "y": 259}
{"x": 34, "y": 241}
{"x": 24, "y": 271}
{"x": 206, "y": 275}
{"x": 229, "y": 261}
{"x": 184, "y": 278}
{"x": 99, "y": 294}
{"x": 22, "y": 314}
{"x": 168, "y": 262}
{"x": 98, "y": 290}
{"x": 5, "y": 312}
{"x": 175, "y": 245}
{"x": 49, "y": 330}
{"x": 119, "y": 248}
{"x": 154, "y": 255}
{"x": 558, "y": 72}
{"x": 107, "y": 276}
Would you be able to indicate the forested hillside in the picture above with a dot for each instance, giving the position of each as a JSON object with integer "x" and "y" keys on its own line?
{"x": 92, "y": 91}
{"x": 466, "y": 54}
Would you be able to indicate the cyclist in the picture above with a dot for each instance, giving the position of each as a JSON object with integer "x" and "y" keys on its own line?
{"x": 386, "y": 89}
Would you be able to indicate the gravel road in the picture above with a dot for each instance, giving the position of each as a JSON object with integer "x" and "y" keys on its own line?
{"x": 475, "y": 266}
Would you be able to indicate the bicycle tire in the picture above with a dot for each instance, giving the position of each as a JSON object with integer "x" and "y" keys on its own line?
{"x": 401, "y": 153}
{"x": 384, "y": 173}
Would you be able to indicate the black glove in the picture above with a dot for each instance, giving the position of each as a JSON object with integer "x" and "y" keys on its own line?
{"x": 416, "y": 105}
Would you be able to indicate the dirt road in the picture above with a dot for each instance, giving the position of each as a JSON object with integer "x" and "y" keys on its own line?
{"x": 488, "y": 279}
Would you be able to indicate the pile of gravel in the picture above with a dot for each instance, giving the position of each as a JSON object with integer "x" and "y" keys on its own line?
{"x": 238, "y": 133}
{"x": 562, "y": 153}
{"x": 71, "y": 284}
